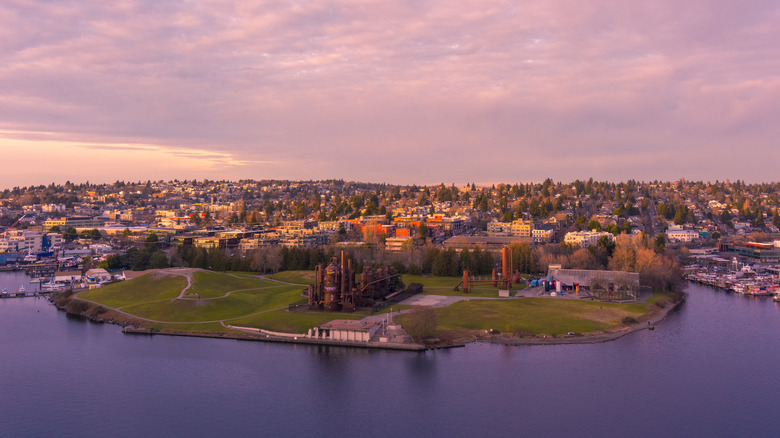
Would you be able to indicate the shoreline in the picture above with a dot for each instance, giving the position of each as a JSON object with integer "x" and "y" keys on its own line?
{"x": 595, "y": 338}
{"x": 130, "y": 326}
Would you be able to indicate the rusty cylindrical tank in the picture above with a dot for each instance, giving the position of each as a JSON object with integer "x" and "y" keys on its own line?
{"x": 332, "y": 288}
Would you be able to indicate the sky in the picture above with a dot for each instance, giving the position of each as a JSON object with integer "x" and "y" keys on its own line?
{"x": 400, "y": 92}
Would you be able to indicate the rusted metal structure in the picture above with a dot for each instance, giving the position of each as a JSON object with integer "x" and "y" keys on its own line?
{"x": 335, "y": 289}
{"x": 507, "y": 276}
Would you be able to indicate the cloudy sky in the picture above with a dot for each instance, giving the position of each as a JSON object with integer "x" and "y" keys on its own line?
{"x": 389, "y": 91}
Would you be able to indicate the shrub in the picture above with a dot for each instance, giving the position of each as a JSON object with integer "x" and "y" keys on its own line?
{"x": 95, "y": 311}
{"x": 399, "y": 267}
{"x": 76, "y": 307}
{"x": 628, "y": 320}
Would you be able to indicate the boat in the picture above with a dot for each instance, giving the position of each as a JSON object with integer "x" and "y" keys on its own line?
{"x": 52, "y": 287}
{"x": 777, "y": 297}
{"x": 21, "y": 292}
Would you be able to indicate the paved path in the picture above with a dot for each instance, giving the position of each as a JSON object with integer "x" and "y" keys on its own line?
{"x": 186, "y": 273}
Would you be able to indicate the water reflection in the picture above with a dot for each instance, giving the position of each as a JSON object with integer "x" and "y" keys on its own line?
{"x": 707, "y": 370}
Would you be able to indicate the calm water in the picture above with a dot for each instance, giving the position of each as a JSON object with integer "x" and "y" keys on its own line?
{"x": 710, "y": 369}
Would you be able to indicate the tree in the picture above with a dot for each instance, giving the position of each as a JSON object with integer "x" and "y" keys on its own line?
{"x": 680, "y": 215}
{"x": 660, "y": 243}
{"x": 421, "y": 324}
{"x": 140, "y": 260}
{"x": 758, "y": 219}
{"x": 70, "y": 234}
{"x": 158, "y": 260}
{"x": 111, "y": 262}
{"x": 594, "y": 225}
{"x": 152, "y": 240}
{"x": 422, "y": 231}
{"x": 466, "y": 261}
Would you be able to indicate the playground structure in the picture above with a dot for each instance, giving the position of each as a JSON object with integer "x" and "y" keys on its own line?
{"x": 335, "y": 288}
{"x": 507, "y": 276}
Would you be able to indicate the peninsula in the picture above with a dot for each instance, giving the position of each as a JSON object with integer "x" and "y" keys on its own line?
{"x": 195, "y": 302}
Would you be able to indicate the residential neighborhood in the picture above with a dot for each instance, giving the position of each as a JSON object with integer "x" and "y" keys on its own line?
{"x": 271, "y": 225}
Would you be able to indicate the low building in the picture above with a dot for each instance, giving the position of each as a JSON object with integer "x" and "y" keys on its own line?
{"x": 396, "y": 243}
{"x": 522, "y": 228}
{"x": 67, "y": 277}
{"x": 585, "y": 239}
{"x": 496, "y": 228}
{"x": 682, "y": 235}
{"x": 97, "y": 275}
{"x": 760, "y": 252}
{"x": 75, "y": 222}
{"x": 602, "y": 284}
{"x": 345, "y": 330}
{"x": 544, "y": 233}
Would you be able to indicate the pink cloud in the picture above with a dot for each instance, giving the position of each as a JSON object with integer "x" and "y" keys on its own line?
{"x": 565, "y": 85}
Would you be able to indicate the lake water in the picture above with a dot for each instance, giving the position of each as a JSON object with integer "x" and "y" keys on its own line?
{"x": 709, "y": 369}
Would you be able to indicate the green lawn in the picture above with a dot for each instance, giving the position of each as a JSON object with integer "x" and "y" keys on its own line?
{"x": 297, "y": 277}
{"x": 215, "y": 284}
{"x": 533, "y": 315}
{"x": 236, "y": 305}
{"x": 291, "y": 322}
{"x": 444, "y": 286}
{"x": 149, "y": 287}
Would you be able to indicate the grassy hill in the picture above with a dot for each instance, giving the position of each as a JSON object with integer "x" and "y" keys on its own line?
{"x": 212, "y": 297}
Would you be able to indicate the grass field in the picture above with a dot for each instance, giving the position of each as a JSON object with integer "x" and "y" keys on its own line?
{"x": 152, "y": 296}
{"x": 297, "y": 277}
{"x": 444, "y": 286}
{"x": 215, "y": 284}
{"x": 533, "y": 315}
{"x": 150, "y": 287}
{"x": 291, "y": 322}
{"x": 235, "y": 305}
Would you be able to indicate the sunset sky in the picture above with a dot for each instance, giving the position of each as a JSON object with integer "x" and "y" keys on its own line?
{"x": 389, "y": 91}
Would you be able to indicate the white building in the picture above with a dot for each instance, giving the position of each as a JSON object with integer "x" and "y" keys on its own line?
{"x": 22, "y": 242}
{"x": 97, "y": 275}
{"x": 585, "y": 239}
{"x": 496, "y": 228}
{"x": 345, "y": 330}
{"x": 682, "y": 235}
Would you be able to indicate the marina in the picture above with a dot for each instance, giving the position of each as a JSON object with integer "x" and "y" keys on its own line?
{"x": 746, "y": 281}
